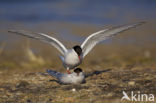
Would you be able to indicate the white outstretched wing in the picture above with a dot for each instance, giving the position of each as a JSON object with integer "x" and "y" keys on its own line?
{"x": 99, "y": 36}
{"x": 42, "y": 37}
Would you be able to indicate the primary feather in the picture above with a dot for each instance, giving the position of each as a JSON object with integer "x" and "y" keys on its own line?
{"x": 42, "y": 37}
{"x": 99, "y": 36}
{"x": 57, "y": 75}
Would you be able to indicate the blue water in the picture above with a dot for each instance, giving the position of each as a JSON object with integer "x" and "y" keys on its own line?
{"x": 77, "y": 11}
{"x": 30, "y": 13}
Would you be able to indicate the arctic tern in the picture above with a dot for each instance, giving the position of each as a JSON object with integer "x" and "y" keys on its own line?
{"x": 75, "y": 77}
{"x": 73, "y": 57}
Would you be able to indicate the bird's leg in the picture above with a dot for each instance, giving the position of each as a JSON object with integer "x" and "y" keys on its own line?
{"x": 68, "y": 71}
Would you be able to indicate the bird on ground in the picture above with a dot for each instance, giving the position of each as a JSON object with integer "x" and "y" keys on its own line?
{"x": 76, "y": 77}
{"x": 73, "y": 57}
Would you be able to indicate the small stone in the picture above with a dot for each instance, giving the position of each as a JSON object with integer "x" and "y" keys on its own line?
{"x": 73, "y": 89}
{"x": 50, "y": 99}
{"x": 28, "y": 101}
{"x": 22, "y": 84}
{"x": 132, "y": 83}
{"x": 110, "y": 94}
{"x": 69, "y": 100}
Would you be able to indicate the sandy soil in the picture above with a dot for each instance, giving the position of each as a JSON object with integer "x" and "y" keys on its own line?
{"x": 114, "y": 67}
{"x": 24, "y": 82}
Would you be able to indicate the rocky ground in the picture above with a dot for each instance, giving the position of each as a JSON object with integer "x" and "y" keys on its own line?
{"x": 113, "y": 69}
{"x": 105, "y": 83}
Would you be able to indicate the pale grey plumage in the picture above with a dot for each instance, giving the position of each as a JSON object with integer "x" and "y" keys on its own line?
{"x": 64, "y": 78}
{"x": 42, "y": 37}
{"x": 99, "y": 36}
{"x": 70, "y": 57}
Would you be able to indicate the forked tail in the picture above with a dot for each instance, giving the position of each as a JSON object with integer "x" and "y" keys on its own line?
{"x": 54, "y": 73}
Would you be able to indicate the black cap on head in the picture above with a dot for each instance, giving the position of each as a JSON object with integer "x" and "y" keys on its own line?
{"x": 77, "y": 70}
{"x": 77, "y": 49}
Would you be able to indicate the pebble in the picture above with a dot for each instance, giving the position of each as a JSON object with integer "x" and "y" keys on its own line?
{"x": 73, "y": 89}
{"x": 131, "y": 83}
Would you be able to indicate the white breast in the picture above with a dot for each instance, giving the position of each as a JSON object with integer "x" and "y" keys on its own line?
{"x": 72, "y": 79}
{"x": 71, "y": 59}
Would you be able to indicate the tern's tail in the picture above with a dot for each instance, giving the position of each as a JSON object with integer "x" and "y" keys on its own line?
{"x": 62, "y": 58}
{"x": 54, "y": 73}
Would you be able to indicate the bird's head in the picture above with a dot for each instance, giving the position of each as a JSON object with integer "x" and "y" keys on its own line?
{"x": 77, "y": 49}
{"x": 78, "y": 71}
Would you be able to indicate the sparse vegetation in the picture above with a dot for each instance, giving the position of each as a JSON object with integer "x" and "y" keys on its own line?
{"x": 128, "y": 72}
{"x": 114, "y": 67}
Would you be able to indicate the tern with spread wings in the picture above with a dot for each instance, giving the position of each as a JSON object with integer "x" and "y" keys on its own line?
{"x": 73, "y": 57}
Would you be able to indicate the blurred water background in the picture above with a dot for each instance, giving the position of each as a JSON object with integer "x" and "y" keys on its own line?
{"x": 30, "y": 14}
{"x": 100, "y": 12}
{"x": 72, "y": 20}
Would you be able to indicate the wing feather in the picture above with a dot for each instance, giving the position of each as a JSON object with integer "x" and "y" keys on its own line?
{"x": 42, "y": 37}
{"x": 99, "y": 36}
{"x": 55, "y": 74}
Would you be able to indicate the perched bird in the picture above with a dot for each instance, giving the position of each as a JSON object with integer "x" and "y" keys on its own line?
{"x": 75, "y": 77}
{"x": 73, "y": 57}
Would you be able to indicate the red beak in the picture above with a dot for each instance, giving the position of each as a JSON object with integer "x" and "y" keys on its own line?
{"x": 68, "y": 71}
{"x": 79, "y": 57}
